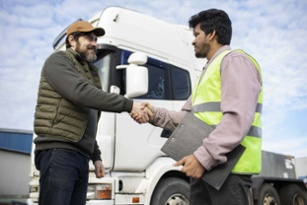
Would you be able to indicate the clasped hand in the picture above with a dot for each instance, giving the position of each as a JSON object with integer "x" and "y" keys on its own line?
{"x": 141, "y": 112}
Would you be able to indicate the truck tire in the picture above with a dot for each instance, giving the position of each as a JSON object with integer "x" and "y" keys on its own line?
{"x": 171, "y": 191}
{"x": 292, "y": 194}
{"x": 268, "y": 195}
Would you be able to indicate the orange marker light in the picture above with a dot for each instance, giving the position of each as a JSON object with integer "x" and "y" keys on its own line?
{"x": 135, "y": 199}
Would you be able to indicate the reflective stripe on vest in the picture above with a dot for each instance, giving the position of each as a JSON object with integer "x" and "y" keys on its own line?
{"x": 206, "y": 105}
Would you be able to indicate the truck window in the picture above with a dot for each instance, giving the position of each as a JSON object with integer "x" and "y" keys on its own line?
{"x": 165, "y": 81}
{"x": 156, "y": 85}
{"x": 103, "y": 64}
{"x": 181, "y": 83}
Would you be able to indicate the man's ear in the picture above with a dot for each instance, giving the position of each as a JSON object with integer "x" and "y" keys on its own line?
{"x": 71, "y": 41}
{"x": 212, "y": 35}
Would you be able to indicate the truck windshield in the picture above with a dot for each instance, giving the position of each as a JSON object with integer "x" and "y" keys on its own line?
{"x": 103, "y": 64}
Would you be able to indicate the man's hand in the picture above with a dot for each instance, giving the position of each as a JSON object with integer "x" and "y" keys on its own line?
{"x": 148, "y": 108}
{"x": 191, "y": 166}
{"x": 140, "y": 113}
{"x": 99, "y": 168}
{"x": 147, "y": 105}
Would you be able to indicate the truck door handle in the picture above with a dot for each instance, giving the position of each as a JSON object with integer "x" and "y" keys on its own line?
{"x": 166, "y": 133}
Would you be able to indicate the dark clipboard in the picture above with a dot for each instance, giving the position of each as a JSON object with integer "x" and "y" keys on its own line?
{"x": 185, "y": 139}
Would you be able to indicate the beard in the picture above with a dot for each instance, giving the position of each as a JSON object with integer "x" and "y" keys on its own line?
{"x": 202, "y": 50}
{"x": 89, "y": 53}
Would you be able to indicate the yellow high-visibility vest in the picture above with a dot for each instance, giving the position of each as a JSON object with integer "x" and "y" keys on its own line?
{"x": 206, "y": 100}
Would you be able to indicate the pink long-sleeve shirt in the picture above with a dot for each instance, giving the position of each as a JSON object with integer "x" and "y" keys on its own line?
{"x": 241, "y": 85}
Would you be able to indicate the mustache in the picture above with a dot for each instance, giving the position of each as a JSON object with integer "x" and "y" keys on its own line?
{"x": 92, "y": 47}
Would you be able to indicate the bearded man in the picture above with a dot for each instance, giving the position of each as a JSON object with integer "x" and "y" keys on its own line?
{"x": 68, "y": 107}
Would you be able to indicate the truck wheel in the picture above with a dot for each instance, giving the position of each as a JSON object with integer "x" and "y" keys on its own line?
{"x": 171, "y": 191}
{"x": 268, "y": 195}
{"x": 292, "y": 195}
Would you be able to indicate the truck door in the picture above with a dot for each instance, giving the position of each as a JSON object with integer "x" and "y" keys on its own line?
{"x": 137, "y": 146}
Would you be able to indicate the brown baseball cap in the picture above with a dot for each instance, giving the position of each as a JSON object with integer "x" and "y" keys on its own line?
{"x": 84, "y": 26}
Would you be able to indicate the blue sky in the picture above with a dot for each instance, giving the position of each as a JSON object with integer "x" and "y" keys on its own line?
{"x": 273, "y": 31}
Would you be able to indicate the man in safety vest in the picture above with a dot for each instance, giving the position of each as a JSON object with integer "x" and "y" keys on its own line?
{"x": 228, "y": 96}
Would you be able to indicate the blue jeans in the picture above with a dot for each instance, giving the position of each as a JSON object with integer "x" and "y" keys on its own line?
{"x": 63, "y": 177}
{"x": 235, "y": 191}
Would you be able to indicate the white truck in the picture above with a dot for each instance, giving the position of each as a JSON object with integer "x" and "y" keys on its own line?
{"x": 151, "y": 60}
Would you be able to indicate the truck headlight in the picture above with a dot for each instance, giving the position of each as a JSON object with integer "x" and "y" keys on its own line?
{"x": 101, "y": 192}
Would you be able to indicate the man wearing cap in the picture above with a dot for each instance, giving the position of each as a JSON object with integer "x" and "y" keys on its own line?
{"x": 68, "y": 108}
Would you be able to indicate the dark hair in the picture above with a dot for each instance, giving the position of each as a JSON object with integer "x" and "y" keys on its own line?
{"x": 76, "y": 36}
{"x": 213, "y": 20}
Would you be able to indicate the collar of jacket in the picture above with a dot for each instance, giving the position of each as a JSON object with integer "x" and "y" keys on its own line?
{"x": 79, "y": 58}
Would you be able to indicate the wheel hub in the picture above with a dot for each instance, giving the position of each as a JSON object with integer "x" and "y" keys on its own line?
{"x": 177, "y": 200}
{"x": 269, "y": 200}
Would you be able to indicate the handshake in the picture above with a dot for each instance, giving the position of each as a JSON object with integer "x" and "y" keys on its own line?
{"x": 141, "y": 112}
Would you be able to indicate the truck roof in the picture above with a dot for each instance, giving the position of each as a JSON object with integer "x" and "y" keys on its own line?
{"x": 135, "y": 31}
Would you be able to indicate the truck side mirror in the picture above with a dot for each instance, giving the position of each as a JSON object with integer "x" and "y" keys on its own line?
{"x": 136, "y": 75}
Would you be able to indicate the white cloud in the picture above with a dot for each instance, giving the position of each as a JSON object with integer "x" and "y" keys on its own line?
{"x": 294, "y": 145}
